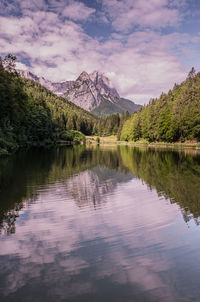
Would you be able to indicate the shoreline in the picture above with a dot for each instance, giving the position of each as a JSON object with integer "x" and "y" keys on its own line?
{"x": 106, "y": 141}
{"x": 113, "y": 140}
{"x": 4, "y": 152}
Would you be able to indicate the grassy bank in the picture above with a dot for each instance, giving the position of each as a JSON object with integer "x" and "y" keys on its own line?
{"x": 113, "y": 140}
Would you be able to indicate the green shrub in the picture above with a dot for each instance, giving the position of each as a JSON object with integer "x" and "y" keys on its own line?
{"x": 98, "y": 140}
{"x": 67, "y": 135}
{"x": 73, "y": 136}
{"x": 78, "y": 137}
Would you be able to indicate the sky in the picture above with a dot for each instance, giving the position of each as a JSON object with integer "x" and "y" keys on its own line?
{"x": 142, "y": 46}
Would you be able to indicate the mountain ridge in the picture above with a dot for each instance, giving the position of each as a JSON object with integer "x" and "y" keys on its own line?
{"x": 92, "y": 92}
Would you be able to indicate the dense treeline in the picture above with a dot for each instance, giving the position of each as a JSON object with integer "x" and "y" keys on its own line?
{"x": 67, "y": 116}
{"x": 112, "y": 124}
{"x": 64, "y": 115}
{"x": 30, "y": 113}
{"x": 173, "y": 117}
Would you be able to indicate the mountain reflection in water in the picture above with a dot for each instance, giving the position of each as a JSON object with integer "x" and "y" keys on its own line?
{"x": 100, "y": 224}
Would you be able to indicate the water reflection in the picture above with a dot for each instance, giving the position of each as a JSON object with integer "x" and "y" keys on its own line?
{"x": 91, "y": 186}
{"x": 22, "y": 175}
{"x": 175, "y": 175}
{"x": 94, "y": 224}
{"x": 90, "y": 173}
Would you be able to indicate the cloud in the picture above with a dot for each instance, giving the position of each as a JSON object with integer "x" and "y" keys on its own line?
{"x": 125, "y": 15}
{"x": 9, "y": 7}
{"x": 147, "y": 64}
{"x": 71, "y": 9}
{"x": 142, "y": 63}
{"x": 77, "y": 11}
{"x": 54, "y": 242}
{"x": 60, "y": 50}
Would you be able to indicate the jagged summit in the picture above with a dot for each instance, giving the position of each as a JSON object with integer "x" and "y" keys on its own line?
{"x": 84, "y": 75}
{"x": 83, "y": 92}
{"x": 93, "y": 92}
{"x": 104, "y": 84}
{"x": 98, "y": 77}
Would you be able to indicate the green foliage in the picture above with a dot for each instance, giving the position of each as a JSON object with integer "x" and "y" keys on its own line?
{"x": 73, "y": 136}
{"x": 107, "y": 108}
{"x": 30, "y": 113}
{"x": 173, "y": 117}
{"x": 98, "y": 140}
{"x": 67, "y": 136}
{"x": 78, "y": 136}
{"x": 64, "y": 115}
{"x": 123, "y": 118}
{"x": 108, "y": 125}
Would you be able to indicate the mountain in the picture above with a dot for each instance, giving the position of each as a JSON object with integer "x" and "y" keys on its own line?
{"x": 31, "y": 114}
{"x": 92, "y": 92}
{"x": 121, "y": 105}
{"x": 57, "y": 88}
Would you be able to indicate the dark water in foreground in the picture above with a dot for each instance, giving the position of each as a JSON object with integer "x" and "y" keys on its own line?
{"x": 91, "y": 224}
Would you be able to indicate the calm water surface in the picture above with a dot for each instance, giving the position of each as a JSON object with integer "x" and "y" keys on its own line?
{"x": 100, "y": 224}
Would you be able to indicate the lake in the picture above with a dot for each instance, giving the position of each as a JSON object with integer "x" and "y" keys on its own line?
{"x": 100, "y": 223}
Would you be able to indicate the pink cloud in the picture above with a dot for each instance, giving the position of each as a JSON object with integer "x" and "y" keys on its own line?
{"x": 142, "y": 64}
{"x": 77, "y": 11}
{"x": 153, "y": 13}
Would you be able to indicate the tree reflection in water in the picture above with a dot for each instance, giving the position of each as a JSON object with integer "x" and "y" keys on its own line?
{"x": 90, "y": 172}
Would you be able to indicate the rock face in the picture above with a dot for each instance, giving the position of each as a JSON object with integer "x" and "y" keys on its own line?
{"x": 92, "y": 92}
{"x": 84, "y": 93}
{"x": 104, "y": 86}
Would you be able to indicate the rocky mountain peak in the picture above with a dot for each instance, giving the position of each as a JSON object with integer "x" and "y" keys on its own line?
{"x": 90, "y": 90}
{"x": 84, "y": 76}
{"x": 84, "y": 93}
{"x": 99, "y": 78}
{"x": 93, "y": 92}
{"x": 104, "y": 85}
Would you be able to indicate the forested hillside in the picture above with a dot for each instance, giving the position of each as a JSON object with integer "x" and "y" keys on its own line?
{"x": 30, "y": 113}
{"x": 173, "y": 117}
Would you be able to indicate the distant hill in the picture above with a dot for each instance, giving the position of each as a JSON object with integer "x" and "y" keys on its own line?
{"x": 121, "y": 105}
{"x": 92, "y": 92}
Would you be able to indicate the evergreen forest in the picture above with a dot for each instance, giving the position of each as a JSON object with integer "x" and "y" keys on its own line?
{"x": 31, "y": 114}
{"x": 173, "y": 117}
